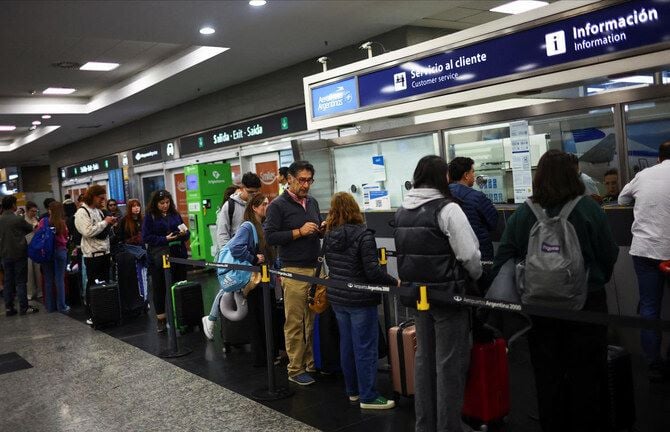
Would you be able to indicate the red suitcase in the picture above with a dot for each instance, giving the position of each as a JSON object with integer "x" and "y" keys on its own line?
{"x": 487, "y": 388}
{"x": 402, "y": 351}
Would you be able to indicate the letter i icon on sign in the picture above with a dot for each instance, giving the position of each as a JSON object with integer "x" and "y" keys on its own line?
{"x": 400, "y": 81}
{"x": 555, "y": 43}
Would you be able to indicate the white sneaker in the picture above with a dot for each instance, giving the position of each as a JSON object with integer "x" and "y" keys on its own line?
{"x": 89, "y": 321}
{"x": 208, "y": 327}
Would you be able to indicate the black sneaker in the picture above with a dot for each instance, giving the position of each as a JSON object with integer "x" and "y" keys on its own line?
{"x": 29, "y": 310}
{"x": 10, "y": 312}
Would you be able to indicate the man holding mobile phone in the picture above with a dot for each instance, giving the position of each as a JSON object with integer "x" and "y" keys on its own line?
{"x": 293, "y": 223}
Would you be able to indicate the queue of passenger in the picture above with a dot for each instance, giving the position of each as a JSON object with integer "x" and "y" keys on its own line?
{"x": 442, "y": 235}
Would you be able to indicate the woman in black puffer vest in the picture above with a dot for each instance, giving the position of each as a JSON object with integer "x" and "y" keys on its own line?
{"x": 351, "y": 255}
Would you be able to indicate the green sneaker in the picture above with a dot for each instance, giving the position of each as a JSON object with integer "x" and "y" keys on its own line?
{"x": 381, "y": 403}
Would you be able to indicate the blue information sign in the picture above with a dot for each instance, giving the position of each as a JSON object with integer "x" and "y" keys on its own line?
{"x": 334, "y": 98}
{"x": 614, "y": 29}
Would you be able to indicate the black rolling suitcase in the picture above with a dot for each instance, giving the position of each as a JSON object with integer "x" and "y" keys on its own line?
{"x": 620, "y": 396}
{"x": 235, "y": 333}
{"x": 132, "y": 302}
{"x": 187, "y": 305}
{"x": 326, "y": 342}
{"x": 105, "y": 304}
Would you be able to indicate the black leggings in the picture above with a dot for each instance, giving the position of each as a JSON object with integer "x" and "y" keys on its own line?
{"x": 178, "y": 272}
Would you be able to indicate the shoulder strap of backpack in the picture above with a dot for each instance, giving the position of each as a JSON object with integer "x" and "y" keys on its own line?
{"x": 537, "y": 210}
{"x": 231, "y": 211}
{"x": 568, "y": 207}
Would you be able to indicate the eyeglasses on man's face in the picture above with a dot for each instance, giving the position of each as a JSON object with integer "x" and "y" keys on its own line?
{"x": 304, "y": 180}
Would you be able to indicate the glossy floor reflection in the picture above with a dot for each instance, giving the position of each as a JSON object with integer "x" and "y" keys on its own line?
{"x": 323, "y": 405}
{"x": 85, "y": 380}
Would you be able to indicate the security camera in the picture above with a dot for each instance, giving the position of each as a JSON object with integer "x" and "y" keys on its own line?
{"x": 324, "y": 61}
{"x": 367, "y": 46}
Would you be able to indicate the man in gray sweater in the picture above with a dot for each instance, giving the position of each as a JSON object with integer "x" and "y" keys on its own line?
{"x": 230, "y": 215}
{"x": 14, "y": 253}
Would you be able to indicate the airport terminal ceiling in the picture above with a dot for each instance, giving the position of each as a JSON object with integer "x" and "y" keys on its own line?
{"x": 163, "y": 60}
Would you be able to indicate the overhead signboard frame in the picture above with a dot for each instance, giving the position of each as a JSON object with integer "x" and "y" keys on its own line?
{"x": 260, "y": 128}
{"x": 156, "y": 152}
{"x": 90, "y": 167}
{"x": 587, "y": 35}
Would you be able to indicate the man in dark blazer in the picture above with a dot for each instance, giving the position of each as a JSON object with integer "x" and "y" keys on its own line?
{"x": 14, "y": 253}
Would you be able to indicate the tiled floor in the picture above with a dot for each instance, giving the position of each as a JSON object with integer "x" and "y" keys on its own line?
{"x": 84, "y": 380}
{"x": 323, "y": 406}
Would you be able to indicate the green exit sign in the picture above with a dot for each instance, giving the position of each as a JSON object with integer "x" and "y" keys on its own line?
{"x": 201, "y": 142}
{"x": 284, "y": 123}
{"x": 106, "y": 163}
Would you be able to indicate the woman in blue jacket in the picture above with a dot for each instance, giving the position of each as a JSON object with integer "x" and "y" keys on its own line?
{"x": 164, "y": 232}
{"x": 244, "y": 248}
{"x": 351, "y": 255}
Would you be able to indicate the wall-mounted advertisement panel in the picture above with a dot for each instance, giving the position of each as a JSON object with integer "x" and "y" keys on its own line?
{"x": 613, "y": 30}
{"x": 253, "y": 130}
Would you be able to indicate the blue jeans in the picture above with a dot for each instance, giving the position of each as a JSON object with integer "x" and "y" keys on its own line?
{"x": 650, "y": 281}
{"x": 358, "y": 349}
{"x": 54, "y": 271}
{"x": 16, "y": 276}
{"x": 214, "y": 311}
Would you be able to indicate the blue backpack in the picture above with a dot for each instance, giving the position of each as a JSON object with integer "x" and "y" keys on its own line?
{"x": 232, "y": 280}
{"x": 41, "y": 247}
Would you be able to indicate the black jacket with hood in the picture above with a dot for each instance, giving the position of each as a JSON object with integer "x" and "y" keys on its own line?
{"x": 351, "y": 255}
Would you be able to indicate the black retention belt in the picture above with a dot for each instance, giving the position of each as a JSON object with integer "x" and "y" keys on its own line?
{"x": 460, "y": 299}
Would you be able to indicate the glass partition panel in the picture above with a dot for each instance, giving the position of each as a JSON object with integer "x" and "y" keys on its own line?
{"x": 587, "y": 134}
{"x": 376, "y": 172}
{"x": 318, "y": 154}
{"x": 647, "y": 127}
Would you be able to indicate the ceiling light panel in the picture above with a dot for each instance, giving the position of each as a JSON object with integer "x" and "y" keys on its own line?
{"x": 7, "y": 128}
{"x": 37, "y": 122}
{"x": 257, "y": 3}
{"x": 46, "y": 116}
{"x": 207, "y": 31}
{"x": 58, "y": 91}
{"x": 99, "y": 66}
{"x": 519, "y": 6}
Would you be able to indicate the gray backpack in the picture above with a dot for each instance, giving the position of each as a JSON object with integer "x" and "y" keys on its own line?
{"x": 553, "y": 273}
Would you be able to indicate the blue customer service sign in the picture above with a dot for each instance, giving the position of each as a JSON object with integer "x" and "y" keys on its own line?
{"x": 610, "y": 30}
{"x": 334, "y": 98}
{"x": 618, "y": 28}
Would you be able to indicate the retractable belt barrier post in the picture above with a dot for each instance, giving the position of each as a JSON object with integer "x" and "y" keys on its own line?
{"x": 173, "y": 349}
{"x": 385, "y": 296}
{"x": 272, "y": 391}
{"x": 426, "y": 340}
